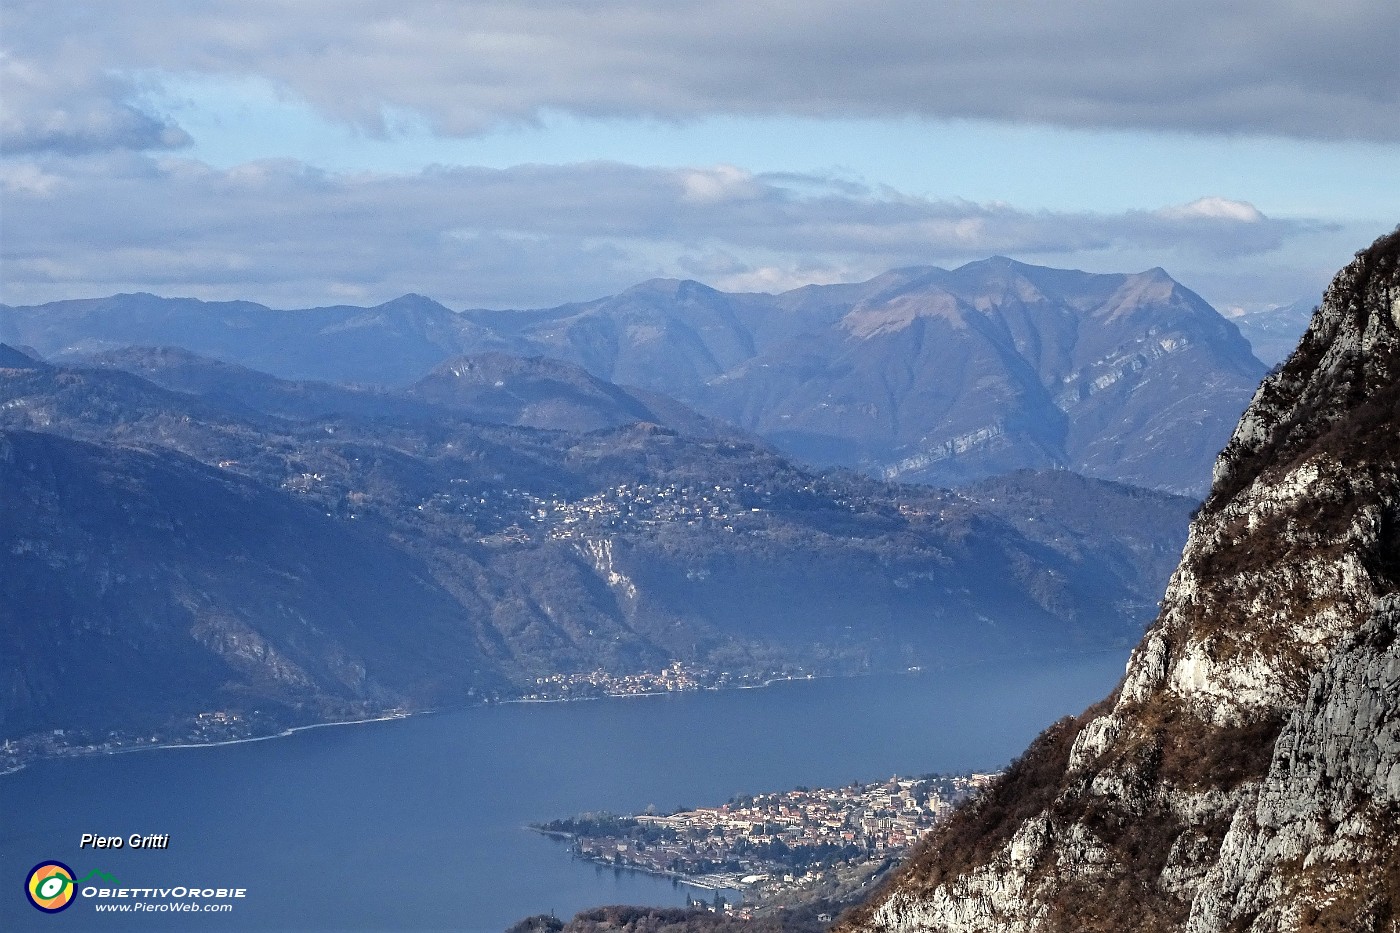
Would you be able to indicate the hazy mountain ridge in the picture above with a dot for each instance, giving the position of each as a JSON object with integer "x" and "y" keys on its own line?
{"x": 1274, "y": 332}
{"x": 492, "y": 388}
{"x": 920, "y": 374}
{"x": 538, "y": 392}
{"x": 542, "y": 551}
{"x": 1245, "y": 776}
{"x": 392, "y": 343}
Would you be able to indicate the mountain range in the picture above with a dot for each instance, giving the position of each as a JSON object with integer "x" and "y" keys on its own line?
{"x": 493, "y": 388}
{"x": 312, "y": 551}
{"x": 920, "y": 375}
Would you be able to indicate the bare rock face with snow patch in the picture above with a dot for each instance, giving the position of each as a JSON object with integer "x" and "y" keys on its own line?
{"x": 1245, "y": 776}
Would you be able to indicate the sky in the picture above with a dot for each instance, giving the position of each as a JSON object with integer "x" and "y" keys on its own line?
{"x": 532, "y": 152}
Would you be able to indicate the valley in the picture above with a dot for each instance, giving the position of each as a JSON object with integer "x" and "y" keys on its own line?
{"x": 341, "y": 565}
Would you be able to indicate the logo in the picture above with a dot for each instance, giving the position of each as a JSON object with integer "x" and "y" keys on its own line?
{"x": 50, "y": 887}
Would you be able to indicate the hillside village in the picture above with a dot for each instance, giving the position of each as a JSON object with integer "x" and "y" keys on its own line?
{"x": 519, "y": 514}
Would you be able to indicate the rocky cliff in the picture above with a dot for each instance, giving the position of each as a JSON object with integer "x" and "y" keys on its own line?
{"x": 1245, "y": 775}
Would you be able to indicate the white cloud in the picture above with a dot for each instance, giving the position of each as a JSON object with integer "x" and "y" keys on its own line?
{"x": 721, "y": 183}
{"x": 1215, "y": 208}
{"x": 26, "y": 178}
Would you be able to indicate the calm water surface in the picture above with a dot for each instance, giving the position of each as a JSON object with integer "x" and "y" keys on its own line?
{"x": 418, "y": 824}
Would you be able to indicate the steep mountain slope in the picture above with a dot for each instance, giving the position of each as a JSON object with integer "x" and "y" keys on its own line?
{"x": 920, "y": 374}
{"x": 1245, "y": 776}
{"x": 14, "y": 358}
{"x": 141, "y": 586}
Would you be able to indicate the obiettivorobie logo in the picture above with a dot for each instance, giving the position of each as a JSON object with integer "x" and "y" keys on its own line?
{"x": 52, "y": 886}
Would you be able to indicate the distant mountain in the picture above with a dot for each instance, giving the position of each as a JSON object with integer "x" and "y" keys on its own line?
{"x": 240, "y": 389}
{"x": 1273, "y": 333}
{"x": 934, "y": 376}
{"x": 493, "y": 388}
{"x": 514, "y": 552}
{"x": 537, "y": 392}
{"x": 920, "y": 374}
{"x": 392, "y": 343}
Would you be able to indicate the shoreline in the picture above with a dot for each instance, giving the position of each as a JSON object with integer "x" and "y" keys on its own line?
{"x": 290, "y": 730}
{"x": 687, "y": 880}
{"x": 693, "y": 881}
{"x": 282, "y": 734}
{"x": 406, "y": 714}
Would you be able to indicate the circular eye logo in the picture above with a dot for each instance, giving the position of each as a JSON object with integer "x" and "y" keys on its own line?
{"x": 50, "y": 886}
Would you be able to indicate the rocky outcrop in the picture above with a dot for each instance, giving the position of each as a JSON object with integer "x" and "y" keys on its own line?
{"x": 1315, "y": 846}
{"x": 1245, "y": 775}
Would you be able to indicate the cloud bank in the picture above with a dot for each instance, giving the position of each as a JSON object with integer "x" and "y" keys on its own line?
{"x": 1298, "y": 69}
{"x": 281, "y": 231}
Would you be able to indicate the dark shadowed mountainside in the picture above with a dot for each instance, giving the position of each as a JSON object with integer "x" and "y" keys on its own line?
{"x": 537, "y": 392}
{"x": 141, "y": 585}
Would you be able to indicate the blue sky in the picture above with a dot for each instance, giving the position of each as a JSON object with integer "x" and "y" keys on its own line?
{"x": 504, "y": 154}
{"x": 1037, "y": 167}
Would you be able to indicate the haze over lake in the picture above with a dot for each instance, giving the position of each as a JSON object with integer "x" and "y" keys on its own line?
{"x": 419, "y": 823}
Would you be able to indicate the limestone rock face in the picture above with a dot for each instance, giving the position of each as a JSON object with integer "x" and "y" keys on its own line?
{"x": 1245, "y": 775}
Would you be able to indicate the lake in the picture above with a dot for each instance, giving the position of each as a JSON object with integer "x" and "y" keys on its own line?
{"x": 419, "y": 824}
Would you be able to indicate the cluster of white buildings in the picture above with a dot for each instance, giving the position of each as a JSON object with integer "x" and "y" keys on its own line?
{"x": 676, "y": 678}
{"x": 875, "y": 817}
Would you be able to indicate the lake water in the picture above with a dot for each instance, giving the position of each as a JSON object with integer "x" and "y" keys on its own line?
{"x": 418, "y": 824}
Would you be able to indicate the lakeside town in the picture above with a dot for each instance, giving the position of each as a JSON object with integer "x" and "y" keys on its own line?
{"x": 778, "y": 848}
{"x": 677, "y": 677}
{"x": 217, "y": 727}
